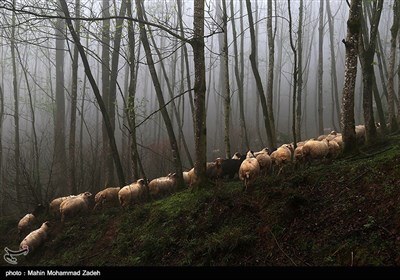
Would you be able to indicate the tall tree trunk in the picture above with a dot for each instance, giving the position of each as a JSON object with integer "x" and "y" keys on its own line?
{"x": 74, "y": 92}
{"x": 2, "y": 187}
{"x": 334, "y": 82}
{"x": 97, "y": 94}
{"x": 224, "y": 74}
{"x": 295, "y": 75}
{"x": 200, "y": 125}
{"x": 239, "y": 82}
{"x": 137, "y": 167}
{"x": 300, "y": 70}
{"x": 260, "y": 90}
{"x": 350, "y": 75}
{"x": 60, "y": 157}
{"x": 393, "y": 125}
{"x": 17, "y": 153}
{"x": 320, "y": 69}
{"x": 271, "y": 65}
{"x": 105, "y": 78}
{"x": 367, "y": 53}
{"x": 171, "y": 92}
{"x": 157, "y": 87}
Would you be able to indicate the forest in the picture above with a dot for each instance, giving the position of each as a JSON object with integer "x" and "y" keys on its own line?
{"x": 95, "y": 94}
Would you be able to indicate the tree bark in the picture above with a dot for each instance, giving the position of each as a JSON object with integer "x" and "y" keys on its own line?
{"x": 299, "y": 70}
{"x": 393, "y": 125}
{"x": 74, "y": 92}
{"x": 351, "y": 45}
{"x": 271, "y": 65}
{"x": 260, "y": 90}
{"x": 157, "y": 87}
{"x": 320, "y": 69}
{"x": 200, "y": 125}
{"x": 97, "y": 94}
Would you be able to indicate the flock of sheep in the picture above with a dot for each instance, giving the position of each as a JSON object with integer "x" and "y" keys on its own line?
{"x": 248, "y": 167}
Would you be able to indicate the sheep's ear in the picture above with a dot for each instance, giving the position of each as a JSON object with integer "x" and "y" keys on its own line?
{"x": 140, "y": 181}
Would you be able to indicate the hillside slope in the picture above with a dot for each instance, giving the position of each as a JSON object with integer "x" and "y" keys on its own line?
{"x": 343, "y": 213}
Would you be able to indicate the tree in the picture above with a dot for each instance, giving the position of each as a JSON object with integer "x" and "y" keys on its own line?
{"x": 393, "y": 125}
{"x": 97, "y": 94}
{"x": 367, "y": 53}
{"x": 260, "y": 90}
{"x": 320, "y": 69}
{"x": 74, "y": 95}
{"x": 350, "y": 75}
{"x": 271, "y": 65}
{"x": 299, "y": 70}
{"x": 157, "y": 87}
{"x": 200, "y": 126}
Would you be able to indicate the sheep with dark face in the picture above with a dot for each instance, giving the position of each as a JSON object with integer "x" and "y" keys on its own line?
{"x": 230, "y": 167}
{"x": 163, "y": 186}
{"x": 79, "y": 205}
{"x": 106, "y": 198}
{"x": 214, "y": 169}
{"x": 249, "y": 170}
{"x": 133, "y": 193}
{"x": 36, "y": 238}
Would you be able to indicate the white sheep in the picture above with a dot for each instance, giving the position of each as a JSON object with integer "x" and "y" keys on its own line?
{"x": 81, "y": 204}
{"x": 106, "y": 198}
{"x": 133, "y": 193}
{"x": 360, "y": 133}
{"x": 163, "y": 186}
{"x": 36, "y": 238}
{"x": 189, "y": 177}
{"x": 249, "y": 170}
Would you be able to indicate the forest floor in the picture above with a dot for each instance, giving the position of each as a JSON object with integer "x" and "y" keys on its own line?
{"x": 343, "y": 213}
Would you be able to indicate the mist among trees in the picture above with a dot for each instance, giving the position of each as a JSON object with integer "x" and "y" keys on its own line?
{"x": 96, "y": 94}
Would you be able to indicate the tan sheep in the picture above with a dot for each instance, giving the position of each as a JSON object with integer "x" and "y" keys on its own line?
{"x": 264, "y": 160}
{"x": 36, "y": 238}
{"x": 315, "y": 150}
{"x": 54, "y": 206}
{"x": 106, "y": 198}
{"x": 81, "y": 204}
{"x": 334, "y": 149}
{"x": 360, "y": 133}
{"x": 133, "y": 193}
{"x": 163, "y": 186}
{"x": 189, "y": 177}
{"x": 26, "y": 223}
{"x": 282, "y": 156}
{"x": 249, "y": 170}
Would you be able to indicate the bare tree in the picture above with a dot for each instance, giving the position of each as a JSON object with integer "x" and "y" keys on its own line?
{"x": 271, "y": 65}
{"x": 390, "y": 83}
{"x": 157, "y": 87}
{"x": 299, "y": 70}
{"x": 200, "y": 127}
{"x": 74, "y": 93}
{"x": 260, "y": 90}
{"x": 367, "y": 53}
{"x": 97, "y": 94}
{"x": 351, "y": 44}
{"x": 320, "y": 69}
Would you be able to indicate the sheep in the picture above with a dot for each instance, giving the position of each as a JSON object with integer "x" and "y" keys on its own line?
{"x": 214, "y": 169}
{"x": 36, "y": 238}
{"x": 360, "y": 133}
{"x": 54, "y": 206}
{"x": 298, "y": 154}
{"x": 80, "y": 204}
{"x": 313, "y": 150}
{"x": 333, "y": 149}
{"x": 189, "y": 177}
{"x": 26, "y": 223}
{"x": 163, "y": 186}
{"x": 106, "y": 198}
{"x": 264, "y": 160}
{"x": 230, "y": 167}
{"x": 249, "y": 170}
{"x": 133, "y": 193}
{"x": 282, "y": 156}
